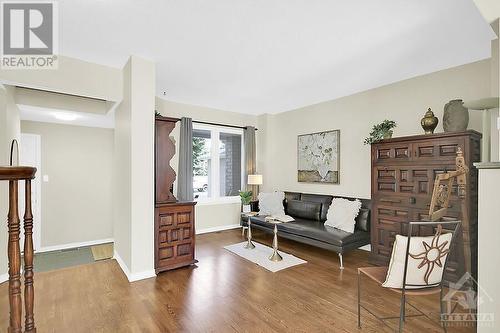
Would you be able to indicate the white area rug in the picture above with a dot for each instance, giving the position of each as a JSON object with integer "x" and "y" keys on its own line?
{"x": 260, "y": 255}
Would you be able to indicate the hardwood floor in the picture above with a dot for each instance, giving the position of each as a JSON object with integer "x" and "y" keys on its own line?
{"x": 223, "y": 293}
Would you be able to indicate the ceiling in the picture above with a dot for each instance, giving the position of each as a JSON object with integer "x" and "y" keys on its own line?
{"x": 50, "y": 107}
{"x": 490, "y": 9}
{"x": 270, "y": 56}
{"x": 62, "y": 116}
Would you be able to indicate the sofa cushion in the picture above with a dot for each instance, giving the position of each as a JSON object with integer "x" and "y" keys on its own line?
{"x": 320, "y": 231}
{"x": 325, "y": 200}
{"x": 271, "y": 203}
{"x": 342, "y": 214}
{"x": 290, "y": 196}
{"x": 315, "y": 230}
{"x": 304, "y": 209}
{"x": 363, "y": 220}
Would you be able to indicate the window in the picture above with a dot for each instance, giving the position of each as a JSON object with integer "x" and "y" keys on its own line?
{"x": 217, "y": 161}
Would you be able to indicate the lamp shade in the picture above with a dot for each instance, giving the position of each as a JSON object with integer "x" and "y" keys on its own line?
{"x": 254, "y": 179}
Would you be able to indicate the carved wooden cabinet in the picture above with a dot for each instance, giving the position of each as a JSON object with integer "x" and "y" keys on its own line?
{"x": 174, "y": 220}
{"x": 403, "y": 173}
{"x": 174, "y": 236}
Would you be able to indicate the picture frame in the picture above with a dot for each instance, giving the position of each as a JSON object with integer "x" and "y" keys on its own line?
{"x": 318, "y": 157}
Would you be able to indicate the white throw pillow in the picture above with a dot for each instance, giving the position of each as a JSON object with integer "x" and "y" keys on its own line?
{"x": 342, "y": 214}
{"x": 426, "y": 262}
{"x": 271, "y": 203}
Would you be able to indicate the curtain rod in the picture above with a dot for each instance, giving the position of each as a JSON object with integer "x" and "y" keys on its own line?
{"x": 209, "y": 123}
{"x": 217, "y": 124}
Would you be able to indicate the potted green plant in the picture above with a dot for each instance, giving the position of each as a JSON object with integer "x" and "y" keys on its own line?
{"x": 246, "y": 197}
{"x": 381, "y": 131}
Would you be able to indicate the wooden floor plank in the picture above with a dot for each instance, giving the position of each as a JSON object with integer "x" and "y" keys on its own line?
{"x": 223, "y": 293}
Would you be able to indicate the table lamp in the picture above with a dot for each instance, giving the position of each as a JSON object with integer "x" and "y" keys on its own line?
{"x": 255, "y": 180}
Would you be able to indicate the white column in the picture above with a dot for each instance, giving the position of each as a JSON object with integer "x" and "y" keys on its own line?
{"x": 134, "y": 171}
{"x": 488, "y": 241}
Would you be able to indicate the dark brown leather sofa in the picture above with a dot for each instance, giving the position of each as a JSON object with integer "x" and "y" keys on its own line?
{"x": 309, "y": 212}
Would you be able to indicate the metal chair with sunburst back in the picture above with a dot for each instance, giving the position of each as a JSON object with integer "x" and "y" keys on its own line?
{"x": 418, "y": 262}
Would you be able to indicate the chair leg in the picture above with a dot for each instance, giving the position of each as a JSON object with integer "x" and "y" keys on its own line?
{"x": 402, "y": 313}
{"x": 441, "y": 307}
{"x": 243, "y": 231}
{"x": 341, "y": 261}
{"x": 359, "y": 300}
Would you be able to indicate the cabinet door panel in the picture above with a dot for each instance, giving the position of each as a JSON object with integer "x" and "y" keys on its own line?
{"x": 174, "y": 235}
{"x": 387, "y": 222}
{"x": 404, "y": 180}
{"x": 390, "y": 153}
{"x": 437, "y": 151}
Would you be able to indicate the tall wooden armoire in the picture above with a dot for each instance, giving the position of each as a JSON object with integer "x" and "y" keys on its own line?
{"x": 174, "y": 220}
{"x": 403, "y": 173}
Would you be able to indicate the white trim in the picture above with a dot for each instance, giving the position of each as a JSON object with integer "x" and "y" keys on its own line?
{"x": 218, "y": 228}
{"x": 122, "y": 264}
{"x": 135, "y": 276}
{"x": 142, "y": 275}
{"x": 219, "y": 201}
{"x": 4, "y": 278}
{"x": 74, "y": 245}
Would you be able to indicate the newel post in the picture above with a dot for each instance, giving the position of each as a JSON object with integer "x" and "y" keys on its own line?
{"x": 14, "y": 175}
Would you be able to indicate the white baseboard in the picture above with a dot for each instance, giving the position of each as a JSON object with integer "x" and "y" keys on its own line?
{"x": 4, "y": 278}
{"x": 132, "y": 277}
{"x": 73, "y": 245}
{"x": 366, "y": 248}
{"x": 219, "y": 228}
{"x": 142, "y": 275}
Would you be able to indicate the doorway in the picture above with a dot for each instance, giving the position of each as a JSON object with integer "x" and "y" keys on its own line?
{"x": 30, "y": 154}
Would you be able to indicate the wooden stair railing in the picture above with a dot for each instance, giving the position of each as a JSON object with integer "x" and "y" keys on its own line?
{"x": 15, "y": 174}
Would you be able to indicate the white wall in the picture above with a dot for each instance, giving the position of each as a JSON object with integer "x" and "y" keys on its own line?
{"x": 208, "y": 215}
{"x": 405, "y": 102}
{"x": 76, "y": 203}
{"x": 488, "y": 231}
{"x": 9, "y": 129}
{"x": 133, "y": 181}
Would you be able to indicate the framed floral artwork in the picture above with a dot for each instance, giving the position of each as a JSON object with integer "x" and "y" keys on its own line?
{"x": 319, "y": 157}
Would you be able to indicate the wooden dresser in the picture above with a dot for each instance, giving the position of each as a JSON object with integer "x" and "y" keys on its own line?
{"x": 403, "y": 173}
{"x": 174, "y": 220}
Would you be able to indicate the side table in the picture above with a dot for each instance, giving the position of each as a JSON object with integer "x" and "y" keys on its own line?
{"x": 275, "y": 256}
{"x": 247, "y": 216}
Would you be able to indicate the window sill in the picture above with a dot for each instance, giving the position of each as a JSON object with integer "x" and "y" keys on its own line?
{"x": 219, "y": 201}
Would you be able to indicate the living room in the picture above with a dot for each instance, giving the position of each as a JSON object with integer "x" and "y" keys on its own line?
{"x": 245, "y": 173}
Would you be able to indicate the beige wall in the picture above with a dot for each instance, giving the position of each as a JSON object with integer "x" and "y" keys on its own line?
{"x": 207, "y": 215}
{"x": 9, "y": 129}
{"x": 49, "y": 100}
{"x": 122, "y": 193}
{"x": 76, "y": 203}
{"x": 73, "y": 76}
{"x": 134, "y": 170}
{"x": 405, "y": 102}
